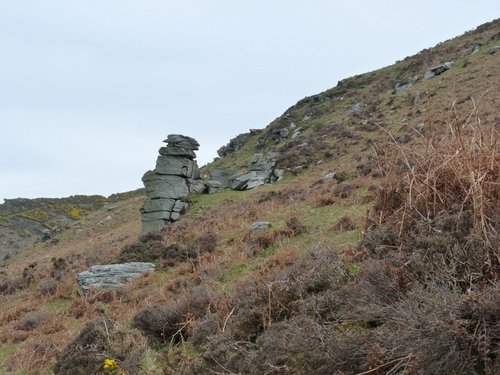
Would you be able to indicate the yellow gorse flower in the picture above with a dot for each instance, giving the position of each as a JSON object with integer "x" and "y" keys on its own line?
{"x": 110, "y": 364}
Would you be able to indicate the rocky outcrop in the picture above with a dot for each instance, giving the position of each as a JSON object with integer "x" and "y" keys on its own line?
{"x": 236, "y": 143}
{"x": 167, "y": 187}
{"x": 262, "y": 170}
{"x": 219, "y": 179}
{"x": 111, "y": 276}
{"x": 405, "y": 85}
{"x": 437, "y": 70}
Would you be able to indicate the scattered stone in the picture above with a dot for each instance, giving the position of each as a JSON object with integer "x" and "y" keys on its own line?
{"x": 437, "y": 70}
{"x": 416, "y": 99}
{"x": 260, "y": 225}
{"x": 329, "y": 176}
{"x": 167, "y": 187}
{"x": 405, "y": 85}
{"x": 112, "y": 276}
{"x": 476, "y": 48}
{"x": 494, "y": 49}
{"x": 357, "y": 108}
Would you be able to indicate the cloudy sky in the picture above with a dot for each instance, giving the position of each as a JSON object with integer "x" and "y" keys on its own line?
{"x": 89, "y": 89}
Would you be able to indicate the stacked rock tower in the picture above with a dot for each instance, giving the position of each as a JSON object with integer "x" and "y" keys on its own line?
{"x": 168, "y": 186}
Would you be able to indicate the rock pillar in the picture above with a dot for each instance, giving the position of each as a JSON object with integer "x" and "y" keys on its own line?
{"x": 168, "y": 186}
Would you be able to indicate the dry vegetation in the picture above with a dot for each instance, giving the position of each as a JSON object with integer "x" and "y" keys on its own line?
{"x": 390, "y": 267}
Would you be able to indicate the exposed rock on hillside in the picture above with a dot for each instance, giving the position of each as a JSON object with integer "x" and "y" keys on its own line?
{"x": 112, "y": 276}
{"x": 261, "y": 171}
{"x": 437, "y": 70}
{"x": 168, "y": 186}
{"x": 236, "y": 143}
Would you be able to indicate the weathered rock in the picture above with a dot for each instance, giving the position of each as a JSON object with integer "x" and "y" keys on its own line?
{"x": 223, "y": 176}
{"x": 112, "y": 276}
{"x": 234, "y": 144}
{"x": 437, "y": 70}
{"x": 278, "y": 174}
{"x": 177, "y": 151}
{"x": 182, "y": 141}
{"x": 162, "y": 204}
{"x": 213, "y": 186}
{"x": 176, "y": 176}
{"x": 179, "y": 206}
{"x": 405, "y": 85}
{"x": 260, "y": 225}
{"x": 155, "y": 225}
{"x": 494, "y": 49}
{"x": 196, "y": 186}
{"x": 263, "y": 162}
{"x": 476, "y": 48}
{"x": 329, "y": 176}
{"x": 250, "y": 180}
{"x": 165, "y": 186}
{"x": 176, "y": 166}
{"x": 154, "y": 216}
{"x": 357, "y": 108}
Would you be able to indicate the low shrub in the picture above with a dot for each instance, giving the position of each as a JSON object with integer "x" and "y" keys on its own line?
{"x": 100, "y": 340}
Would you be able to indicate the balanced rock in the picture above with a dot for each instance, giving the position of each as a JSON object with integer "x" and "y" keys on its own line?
{"x": 167, "y": 187}
{"x": 112, "y": 276}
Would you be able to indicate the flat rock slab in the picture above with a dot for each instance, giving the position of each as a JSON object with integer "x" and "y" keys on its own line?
{"x": 111, "y": 276}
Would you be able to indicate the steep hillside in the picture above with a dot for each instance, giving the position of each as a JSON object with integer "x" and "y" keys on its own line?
{"x": 379, "y": 254}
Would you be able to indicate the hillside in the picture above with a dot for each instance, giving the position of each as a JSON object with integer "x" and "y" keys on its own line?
{"x": 381, "y": 255}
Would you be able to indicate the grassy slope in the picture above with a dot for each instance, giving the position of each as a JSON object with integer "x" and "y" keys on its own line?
{"x": 334, "y": 135}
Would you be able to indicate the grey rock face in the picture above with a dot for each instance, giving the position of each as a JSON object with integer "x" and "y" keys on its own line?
{"x": 196, "y": 186}
{"x": 167, "y": 187}
{"x": 112, "y": 276}
{"x": 182, "y": 141}
{"x": 437, "y": 70}
{"x": 222, "y": 176}
{"x": 263, "y": 162}
{"x": 260, "y": 225}
{"x": 177, "y": 151}
{"x": 250, "y": 180}
{"x": 162, "y": 204}
{"x": 176, "y": 166}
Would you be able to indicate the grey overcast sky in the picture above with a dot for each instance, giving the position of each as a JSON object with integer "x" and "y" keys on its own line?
{"x": 89, "y": 89}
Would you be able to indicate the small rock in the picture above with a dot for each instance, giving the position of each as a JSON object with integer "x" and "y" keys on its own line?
{"x": 405, "y": 85}
{"x": 357, "y": 108}
{"x": 329, "y": 176}
{"x": 437, "y": 70}
{"x": 476, "y": 48}
{"x": 260, "y": 225}
{"x": 494, "y": 49}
